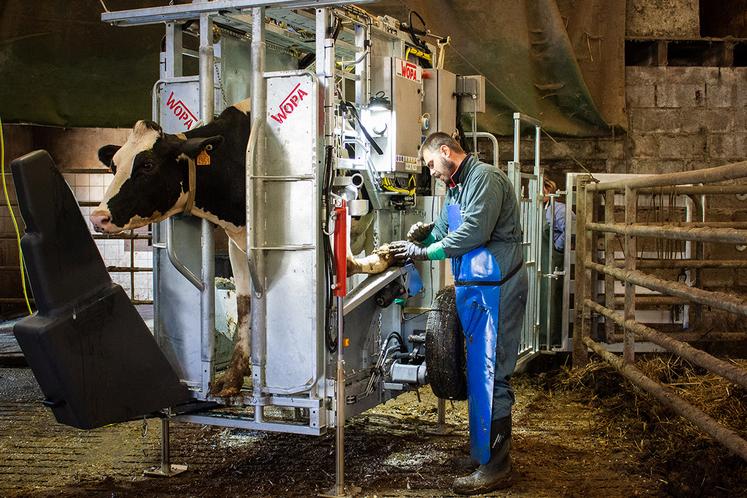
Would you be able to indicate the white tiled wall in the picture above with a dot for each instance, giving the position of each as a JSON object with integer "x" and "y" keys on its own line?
{"x": 91, "y": 187}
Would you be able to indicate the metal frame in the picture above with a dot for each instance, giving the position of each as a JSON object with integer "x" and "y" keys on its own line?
{"x": 610, "y": 201}
{"x": 263, "y": 244}
{"x": 532, "y": 215}
{"x": 587, "y": 268}
{"x": 171, "y": 13}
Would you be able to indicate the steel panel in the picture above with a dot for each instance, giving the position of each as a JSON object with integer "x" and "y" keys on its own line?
{"x": 177, "y": 325}
{"x": 291, "y": 319}
{"x": 295, "y": 340}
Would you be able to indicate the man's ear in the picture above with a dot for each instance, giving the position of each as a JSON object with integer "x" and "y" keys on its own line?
{"x": 106, "y": 154}
{"x": 193, "y": 146}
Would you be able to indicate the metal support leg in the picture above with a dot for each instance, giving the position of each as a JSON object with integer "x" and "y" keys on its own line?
{"x": 441, "y": 427}
{"x": 166, "y": 469}
{"x": 339, "y": 489}
{"x": 340, "y": 439}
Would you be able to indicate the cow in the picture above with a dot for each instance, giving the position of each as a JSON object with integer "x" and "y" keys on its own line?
{"x": 152, "y": 182}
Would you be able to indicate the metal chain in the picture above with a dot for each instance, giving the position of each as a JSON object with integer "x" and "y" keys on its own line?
{"x": 220, "y": 84}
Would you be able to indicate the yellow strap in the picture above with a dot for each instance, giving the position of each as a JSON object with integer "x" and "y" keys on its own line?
{"x": 13, "y": 217}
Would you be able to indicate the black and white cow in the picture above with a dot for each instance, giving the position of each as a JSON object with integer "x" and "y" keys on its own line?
{"x": 152, "y": 182}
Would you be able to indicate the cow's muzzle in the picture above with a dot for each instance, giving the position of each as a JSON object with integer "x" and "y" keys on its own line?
{"x": 101, "y": 220}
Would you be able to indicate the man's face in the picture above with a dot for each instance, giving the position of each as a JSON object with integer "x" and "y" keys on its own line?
{"x": 440, "y": 163}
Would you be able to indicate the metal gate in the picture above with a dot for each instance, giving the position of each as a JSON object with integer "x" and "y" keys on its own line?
{"x": 528, "y": 188}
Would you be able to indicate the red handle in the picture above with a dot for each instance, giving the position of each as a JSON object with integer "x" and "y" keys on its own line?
{"x": 341, "y": 249}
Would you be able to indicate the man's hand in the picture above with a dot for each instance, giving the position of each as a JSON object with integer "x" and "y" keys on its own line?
{"x": 419, "y": 231}
{"x": 408, "y": 250}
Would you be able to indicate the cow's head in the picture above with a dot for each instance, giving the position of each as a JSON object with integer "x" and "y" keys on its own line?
{"x": 151, "y": 177}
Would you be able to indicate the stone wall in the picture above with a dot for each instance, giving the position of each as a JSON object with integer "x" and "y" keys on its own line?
{"x": 679, "y": 118}
{"x": 683, "y": 118}
{"x": 662, "y": 18}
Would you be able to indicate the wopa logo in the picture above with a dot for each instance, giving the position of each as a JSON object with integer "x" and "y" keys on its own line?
{"x": 181, "y": 111}
{"x": 289, "y": 104}
{"x": 408, "y": 70}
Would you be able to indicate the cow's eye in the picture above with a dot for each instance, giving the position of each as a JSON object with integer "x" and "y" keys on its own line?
{"x": 147, "y": 166}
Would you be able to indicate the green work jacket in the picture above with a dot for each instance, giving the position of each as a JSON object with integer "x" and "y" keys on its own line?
{"x": 490, "y": 215}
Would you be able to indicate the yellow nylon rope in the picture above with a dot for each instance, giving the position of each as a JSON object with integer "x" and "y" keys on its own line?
{"x": 13, "y": 217}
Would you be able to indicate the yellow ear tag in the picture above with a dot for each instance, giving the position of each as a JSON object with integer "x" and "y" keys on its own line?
{"x": 203, "y": 158}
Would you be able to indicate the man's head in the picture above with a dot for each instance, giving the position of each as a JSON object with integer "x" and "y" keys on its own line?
{"x": 548, "y": 187}
{"x": 442, "y": 154}
{"x": 150, "y": 177}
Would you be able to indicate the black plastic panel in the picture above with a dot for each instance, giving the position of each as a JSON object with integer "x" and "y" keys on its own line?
{"x": 93, "y": 356}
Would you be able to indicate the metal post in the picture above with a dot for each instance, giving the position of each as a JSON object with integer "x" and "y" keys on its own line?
{"x": 588, "y": 322}
{"x": 537, "y": 216}
{"x": 441, "y": 414}
{"x": 340, "y": 433}
{"x": 174, "y": 50}
{"x": 593, "y": 201}
{"x": 580, "y": 354}
{"x": 255, "y": 206}
{"x": 631, "y": 205}
{"x": 700, "y": 203}
{"x": 361, "y": 68}
{"x": 166, "y": 469}
{"x": 207, "y": 247}
{"x": 517, "y": 136}
{"x": 165, "y": 446}
{"x": 609, "y": 257}
{"x": 550, "y": 276}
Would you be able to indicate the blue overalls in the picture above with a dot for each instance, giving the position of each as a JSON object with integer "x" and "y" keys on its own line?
{"x": 492, "y": 325}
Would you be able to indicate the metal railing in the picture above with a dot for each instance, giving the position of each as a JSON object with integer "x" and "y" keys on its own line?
{"x": 588, "y": 269}
{"x": 528, "y": 189}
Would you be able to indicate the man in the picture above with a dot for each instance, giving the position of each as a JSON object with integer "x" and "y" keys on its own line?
{"x": 552, "y": 289}
{"x": 558, "y": 233}
{"x": 550, "y": 316}
{"x": 479, "y": 229}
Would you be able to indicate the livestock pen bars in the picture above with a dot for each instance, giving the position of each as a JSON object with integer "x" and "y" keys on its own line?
{"x": 591, "y": 198}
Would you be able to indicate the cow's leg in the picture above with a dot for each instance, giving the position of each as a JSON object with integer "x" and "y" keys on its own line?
{"x": 230, "y": 382}
{"x": 381, "y": 259}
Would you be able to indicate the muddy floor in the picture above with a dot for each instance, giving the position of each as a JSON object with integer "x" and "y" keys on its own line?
{"x": 561, "y": 449}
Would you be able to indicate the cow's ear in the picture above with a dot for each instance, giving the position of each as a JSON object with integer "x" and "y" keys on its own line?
{"x": 193, "y": 146}
{"x": 106, "y": 154}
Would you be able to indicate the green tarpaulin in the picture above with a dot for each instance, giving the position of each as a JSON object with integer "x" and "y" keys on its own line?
{"x": 558, "y": 60}
{"x": 561, "y": 61}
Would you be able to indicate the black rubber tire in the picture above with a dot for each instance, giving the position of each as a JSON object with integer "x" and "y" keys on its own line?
{"x": 444, "y": 348}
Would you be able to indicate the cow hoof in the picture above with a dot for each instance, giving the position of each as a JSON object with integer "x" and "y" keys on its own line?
{"x": 230, "y": 382}
{"x": 228, "y": 385}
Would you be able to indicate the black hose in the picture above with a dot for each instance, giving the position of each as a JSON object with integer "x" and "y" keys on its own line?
{"x": 396, "y": 335}
{"x": 329, "y": 265}
{"x": 351, "y": 108}
{"x": 417, "y": 41}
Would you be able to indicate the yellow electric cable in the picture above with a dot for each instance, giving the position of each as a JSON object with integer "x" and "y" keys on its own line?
{"x": 13, "y": 217}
